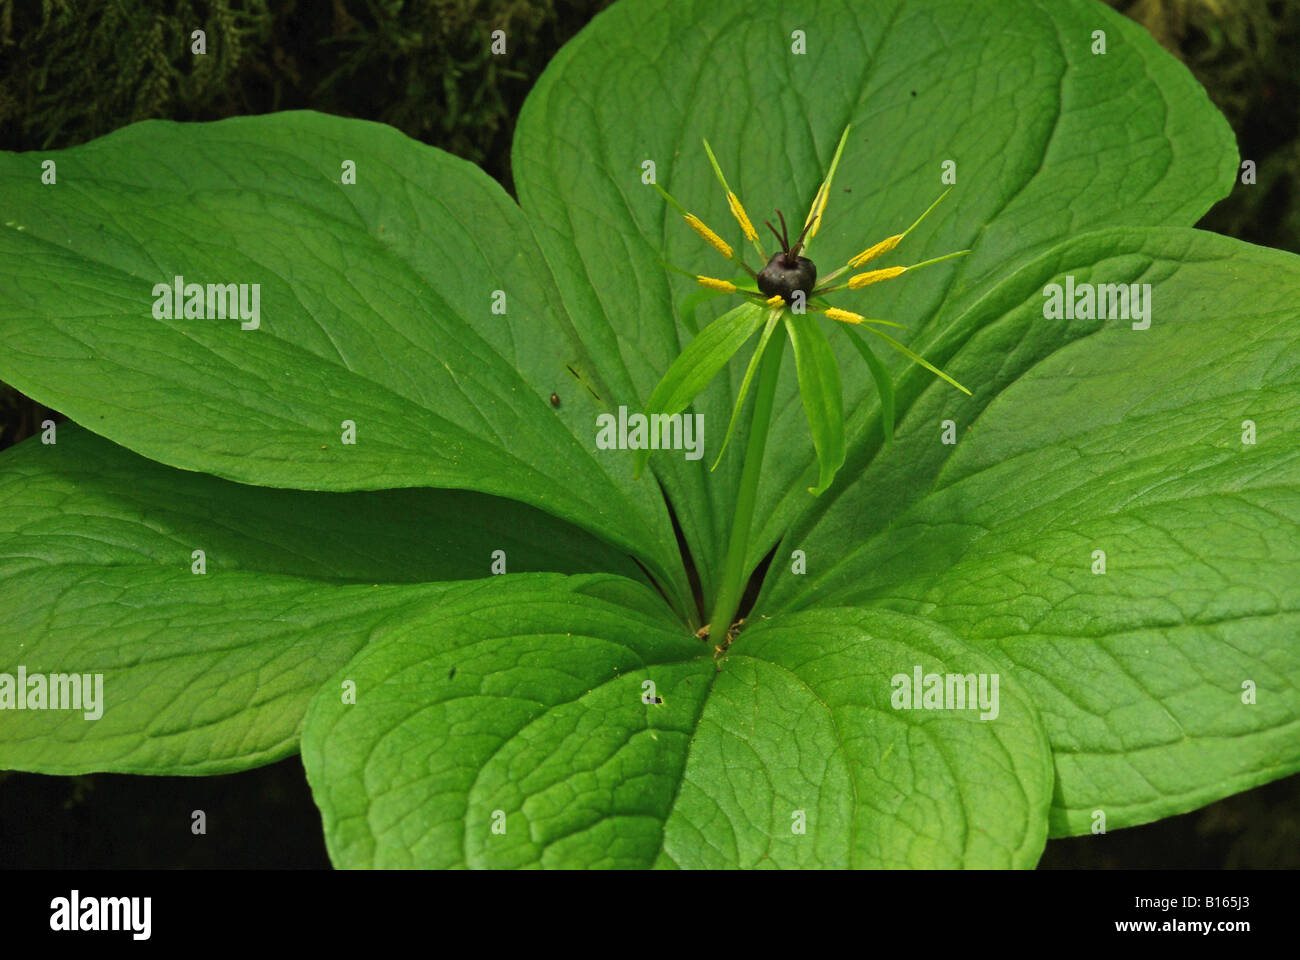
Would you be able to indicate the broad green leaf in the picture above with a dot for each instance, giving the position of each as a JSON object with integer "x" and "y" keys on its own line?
{"x": 522, "y": 707}
{"x": 1088, "y": 435}
{"x": 376, "y": 309}
{"x": 1048, "y": 140}
{"x": 819, "y": 388}
{"x": 85, "y": 500}
{"x": 211, "y": 672}
{"x": 201, "y": 675}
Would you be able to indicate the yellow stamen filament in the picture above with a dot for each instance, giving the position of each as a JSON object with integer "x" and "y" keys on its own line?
{"x": 776, "y": 301}
{"x": 742, "y": 218}
{"x": 711, "y": 238}
{"x": 844, "y": 316}
{"x": 883, "y": 247}
{"x": 722, "y": 286}
{"x": 874, "y": 276}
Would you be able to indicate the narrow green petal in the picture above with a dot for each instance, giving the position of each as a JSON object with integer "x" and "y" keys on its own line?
{"x": 927, "y": 212}
{"x": 918, "y": 359}
{"x": 884, "y": 383}
{"x": 697, "y": 365}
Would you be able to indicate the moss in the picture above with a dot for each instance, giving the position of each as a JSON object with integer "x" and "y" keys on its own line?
{"x": 423, "y": 67}
{"x": 77, "y": 71}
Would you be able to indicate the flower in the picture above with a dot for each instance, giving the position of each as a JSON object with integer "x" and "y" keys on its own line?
{"x": 787, "y": 287}
{"x": 798, "y": 292}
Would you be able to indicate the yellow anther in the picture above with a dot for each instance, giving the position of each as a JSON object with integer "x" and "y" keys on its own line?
{"x": 874, "y": 276}
{"x": 742, "y": 218}
{"x": 883, "y": 247}
{"x": 722, "y": 286}
{"x": 814, "y": 221}
{"x": 844, "y": 316}
{"x": 812, "y": 211}
{"x": 776, "y": 301}
{"x": 818, "y": 208}
{"x": 711, "y": 238}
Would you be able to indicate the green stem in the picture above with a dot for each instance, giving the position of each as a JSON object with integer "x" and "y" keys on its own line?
{"x": 734, "y": 571}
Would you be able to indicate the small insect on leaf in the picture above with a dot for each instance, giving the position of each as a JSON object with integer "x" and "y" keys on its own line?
{"x": 555, "y": 399}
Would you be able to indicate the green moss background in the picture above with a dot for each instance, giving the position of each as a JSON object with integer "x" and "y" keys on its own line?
{"x": 73, "y": 71}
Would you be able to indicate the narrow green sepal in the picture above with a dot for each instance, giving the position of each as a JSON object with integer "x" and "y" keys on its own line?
{"x": 697, "y": 365}
{"x": 820, "y": 389}
{"x": 773, "y": 317}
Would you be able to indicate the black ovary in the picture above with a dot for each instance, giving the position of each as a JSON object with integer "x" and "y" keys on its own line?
{"x": 784, "y": 275}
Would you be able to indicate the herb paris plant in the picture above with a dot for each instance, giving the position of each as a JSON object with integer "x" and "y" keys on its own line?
{"x": 783, "y": 289}
{"x": 445, "y": 717}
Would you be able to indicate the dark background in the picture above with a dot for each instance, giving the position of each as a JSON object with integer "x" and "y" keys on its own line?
{"x": 72, "y": 72}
